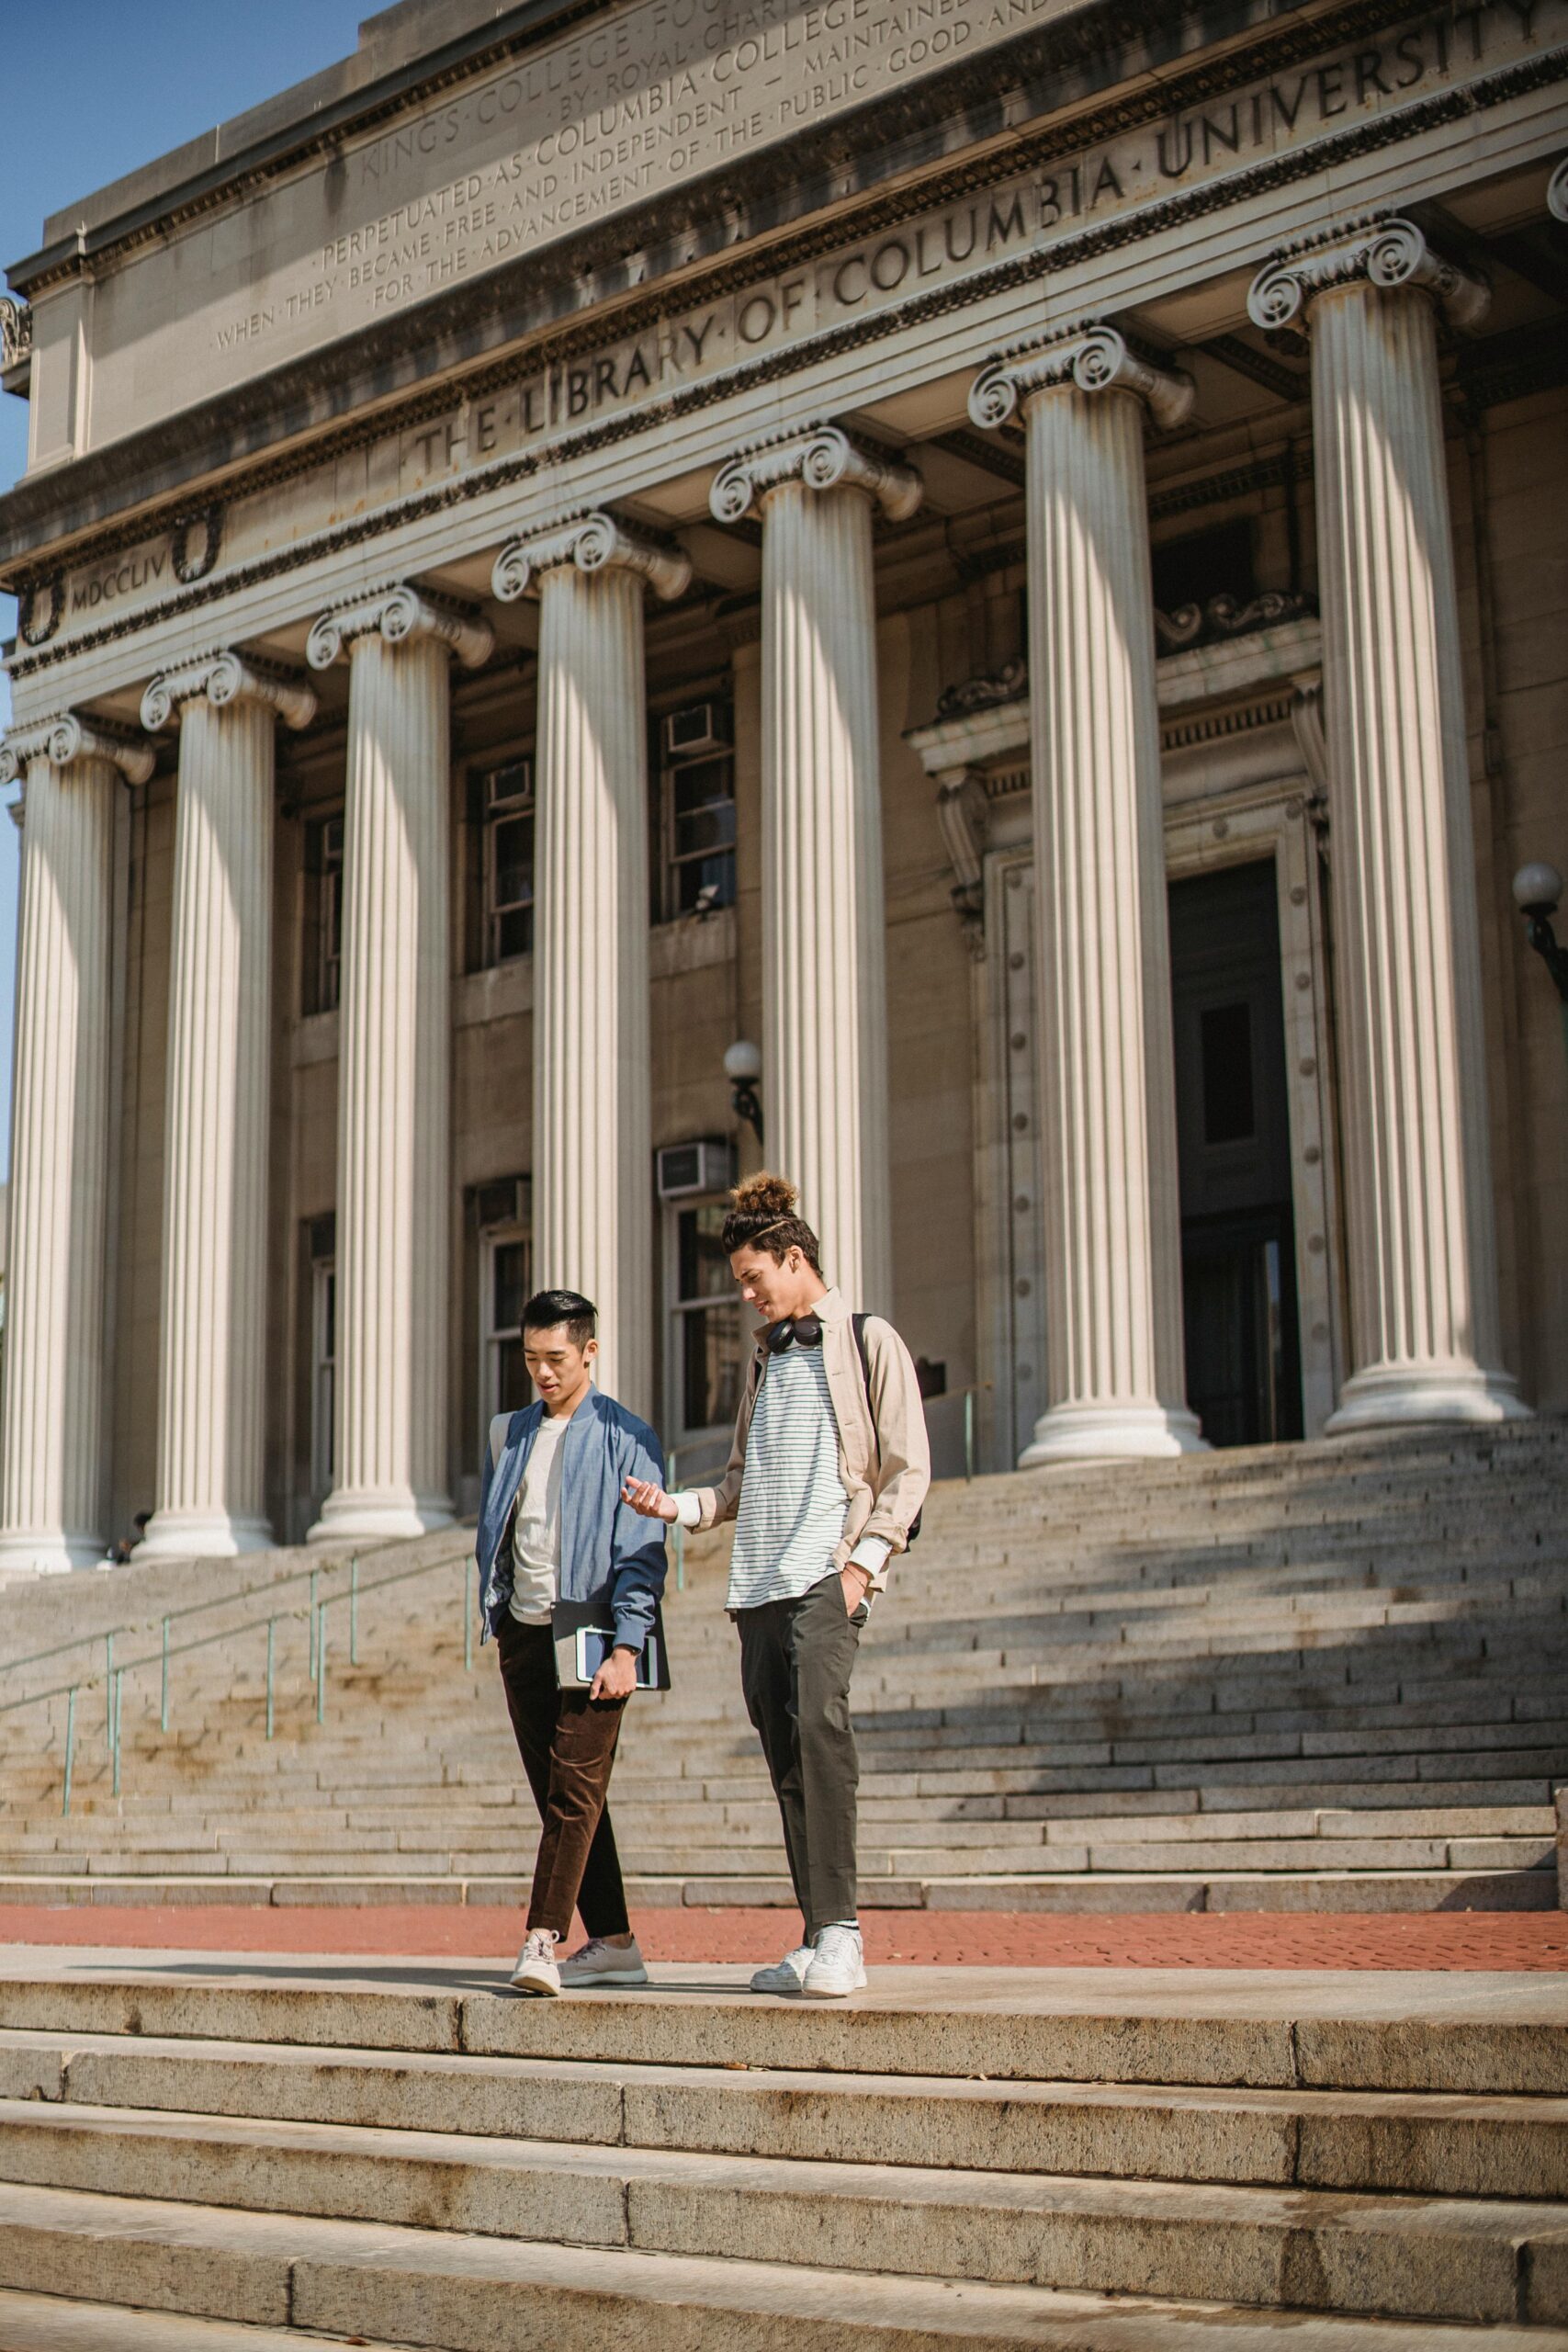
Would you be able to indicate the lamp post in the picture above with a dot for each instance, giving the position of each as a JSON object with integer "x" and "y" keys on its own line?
{"x": 1538, "y": 892}
{"x": 743, "y": 1067}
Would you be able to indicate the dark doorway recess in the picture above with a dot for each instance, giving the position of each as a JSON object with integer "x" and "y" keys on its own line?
{"x": 1237, "y": 1240}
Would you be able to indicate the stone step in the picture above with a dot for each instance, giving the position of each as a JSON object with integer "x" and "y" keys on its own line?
{"x": 302, "y": 2279}
{"x": 1114, "y": 1889}
{"x": 1353, "y": 2031}
{"x": 1403, "y": 2256}
{"x": 56, "y": 2323}
{"x": 1403, "y": 2141}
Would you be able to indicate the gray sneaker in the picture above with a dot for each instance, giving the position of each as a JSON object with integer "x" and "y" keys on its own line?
{"x": 786, "y": 1975}
{"x": 599, "y": 1963}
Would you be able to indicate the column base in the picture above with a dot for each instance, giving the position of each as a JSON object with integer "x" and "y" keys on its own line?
{"x": 46, "y": 1552}
{"x": 384, "y": 1514}
{"x": 202, "y": 1535}
{"x": 1111, "y": 1432}
{"x": 1402, "y": 1396}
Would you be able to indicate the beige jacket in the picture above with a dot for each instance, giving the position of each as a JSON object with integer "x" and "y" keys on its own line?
{"x": 887, "y": 1469}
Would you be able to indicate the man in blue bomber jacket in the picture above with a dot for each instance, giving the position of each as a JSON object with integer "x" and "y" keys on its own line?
{"x": 553, "y": 1527}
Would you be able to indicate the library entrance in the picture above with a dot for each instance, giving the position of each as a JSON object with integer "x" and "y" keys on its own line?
{"x": 1237, "y": 1228}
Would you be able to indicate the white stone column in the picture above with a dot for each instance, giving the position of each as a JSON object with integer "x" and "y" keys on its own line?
{"x": 1425, "y": 1329}
{"x": 592, "y": 1172}
{"x": 209, "y": 1497}
{"x": 51, "y": 1420}
{"x": 824, "y": 927}
{"x": 394, "y": 1178}
{"x": 1115, "y": 1358}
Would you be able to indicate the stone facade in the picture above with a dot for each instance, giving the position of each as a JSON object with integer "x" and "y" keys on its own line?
{"x": 996, "y": 551}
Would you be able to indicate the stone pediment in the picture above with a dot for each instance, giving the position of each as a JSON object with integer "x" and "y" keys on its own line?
{"x": 985, "y": 721}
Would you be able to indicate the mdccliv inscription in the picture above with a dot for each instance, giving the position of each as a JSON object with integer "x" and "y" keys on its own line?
{"x": 578, "y": 130}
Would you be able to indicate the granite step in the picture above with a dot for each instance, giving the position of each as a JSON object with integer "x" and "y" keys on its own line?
{"x": 1432, "y": 2145}
{"x": 302, "y": 2279}
{"x": 53, "y": 2323}
{"x": 1406, "y": 2256}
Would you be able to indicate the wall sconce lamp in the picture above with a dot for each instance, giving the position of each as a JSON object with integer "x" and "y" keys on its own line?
{"x": 743, "y": 1067}
{"x": 1538, "y": 892}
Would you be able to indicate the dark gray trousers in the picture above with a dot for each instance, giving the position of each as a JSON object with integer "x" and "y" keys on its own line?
{"x": 797, "y": 1658}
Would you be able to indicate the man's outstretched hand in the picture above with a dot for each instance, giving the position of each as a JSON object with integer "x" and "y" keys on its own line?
{"x": 650, "y": 1499}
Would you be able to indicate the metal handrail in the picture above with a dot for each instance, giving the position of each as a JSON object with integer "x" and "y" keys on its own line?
{"x": 196, "y": 1608}
{"x": 113, "y": 1676}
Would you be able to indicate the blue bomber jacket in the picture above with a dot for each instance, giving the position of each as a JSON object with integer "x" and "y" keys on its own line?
{"x": 607, "y": 1551}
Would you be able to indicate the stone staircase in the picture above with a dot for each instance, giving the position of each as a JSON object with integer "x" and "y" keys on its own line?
{"x": 1327, "y": 1676}
{"x": 240, "y": 2156}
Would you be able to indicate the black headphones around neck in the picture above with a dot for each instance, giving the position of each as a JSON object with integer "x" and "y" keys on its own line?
{"x": 805, "y": 1330}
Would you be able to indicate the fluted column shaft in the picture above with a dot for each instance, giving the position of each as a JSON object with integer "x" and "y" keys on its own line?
{"x": 593, "y": 1170}
{"x": 1418, "y": 1185}
{"x": 209, "y": 1497}
{"x": 1115, "y": 1361}
{"x": 824, "y": 951}
{"x": 593, "y": 1167}
{"x": 51, "y": 1423}
{"x": 393, "y": 1097}
{"x": 394, "y": 1111}
{"x": 824, "y": 926}
{"x": 1115, "y": 1379}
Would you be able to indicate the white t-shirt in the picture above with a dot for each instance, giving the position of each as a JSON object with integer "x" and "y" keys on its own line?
{"x": 535, "y": 1532}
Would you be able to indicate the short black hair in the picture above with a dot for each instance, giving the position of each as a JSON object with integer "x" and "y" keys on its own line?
{"x": 548, "y": 1307}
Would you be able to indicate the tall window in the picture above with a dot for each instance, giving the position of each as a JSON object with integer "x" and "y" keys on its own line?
{"x": 505, "y": 1274}
{"x": 697, "y": 801}
{"x": 323, "y": 1354}
{"x": 707, "y": 1344}
{"x": 506, "y": 805}
{"x": 323, "y": 913}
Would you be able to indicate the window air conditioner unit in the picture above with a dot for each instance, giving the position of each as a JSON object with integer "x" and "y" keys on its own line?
{"x": 695, "y": 729}
{"x": 687, "y": 1169}
{"x": 502, "y": 1204}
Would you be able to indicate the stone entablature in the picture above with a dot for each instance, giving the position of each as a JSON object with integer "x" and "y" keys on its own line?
{"x": 986, "y": 239}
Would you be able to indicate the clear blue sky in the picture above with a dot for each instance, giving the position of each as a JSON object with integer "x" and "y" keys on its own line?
{"x": 91, "y": 89}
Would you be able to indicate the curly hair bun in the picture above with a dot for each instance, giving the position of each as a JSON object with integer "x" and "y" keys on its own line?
{"x": 765, "y": 1196}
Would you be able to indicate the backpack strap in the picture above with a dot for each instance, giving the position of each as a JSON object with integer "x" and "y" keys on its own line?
{"x": 860, "y": 1322}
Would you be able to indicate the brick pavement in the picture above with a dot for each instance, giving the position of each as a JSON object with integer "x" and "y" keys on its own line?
{"x": 1439, "y": 1939}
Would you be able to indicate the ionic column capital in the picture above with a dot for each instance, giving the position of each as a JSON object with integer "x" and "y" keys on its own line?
{"x": 64, "y": 739}
{"x": 591, "y": 543}
{"x": 1090, "y": 358}
{"x": 1386, "y": 254}
{"x": 825, "y": 459}
{"x": 400, "y": 615}
{"x": 221, "y": 679}
{"x": 1557, "y": 192}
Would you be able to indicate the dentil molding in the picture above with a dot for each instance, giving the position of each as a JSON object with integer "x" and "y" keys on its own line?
{"x": 400, "y": 615}
{"x": 825, "y": 459}
{"x": 594, "y": 542}
{"x": 221, "y": 679}
{"x": 1092, "y": 360}
{"x": 1387, "y": 253}
{"x": 64, "y": 739}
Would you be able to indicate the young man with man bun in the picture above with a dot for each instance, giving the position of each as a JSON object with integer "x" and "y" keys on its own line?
{"x": 826, "y": 1478}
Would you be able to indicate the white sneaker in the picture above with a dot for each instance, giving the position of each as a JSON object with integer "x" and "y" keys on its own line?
{"x": 536, "y": 1971}
{"x": 599, "y": 1963}
{"x": 786, "y": 1975}
{"x": 838, "y": 1965}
